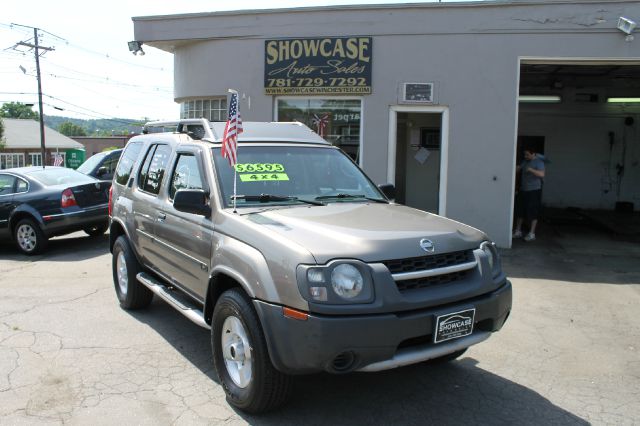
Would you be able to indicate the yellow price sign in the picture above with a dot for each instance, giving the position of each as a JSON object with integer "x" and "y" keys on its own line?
{"x": 260, "y": 177}
{"x": 259, "y": 168}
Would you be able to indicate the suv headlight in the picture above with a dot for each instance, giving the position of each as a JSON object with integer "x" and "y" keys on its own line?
{"x": 347, "y": 281}
{"x": 339, "y": 282}
{"x": 493, "y": 258}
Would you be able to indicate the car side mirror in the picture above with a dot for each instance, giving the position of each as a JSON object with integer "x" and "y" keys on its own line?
{"x": 388, "y": 190}
{"x": 192, "y": 201}
{"x": 101, "y": 171}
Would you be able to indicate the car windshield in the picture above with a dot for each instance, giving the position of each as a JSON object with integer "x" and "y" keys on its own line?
{"x": 59, "y": 176}
{"x": 279, "y": 175}
{"x": 91, "y": 163}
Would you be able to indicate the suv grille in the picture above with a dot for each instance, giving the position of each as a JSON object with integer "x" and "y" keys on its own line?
{"x": 430, "y": 262}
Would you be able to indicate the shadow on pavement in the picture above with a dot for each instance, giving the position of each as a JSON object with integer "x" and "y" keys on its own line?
{"x": 68, "y": 248}
{"x": 574, "y": 254}
{"x": 456, "y": 393}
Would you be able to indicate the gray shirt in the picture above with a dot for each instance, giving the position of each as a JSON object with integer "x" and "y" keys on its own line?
{"x": 531, "y": 182}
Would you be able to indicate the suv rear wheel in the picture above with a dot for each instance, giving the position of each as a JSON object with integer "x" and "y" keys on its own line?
{"x": 131, "y": 293}
{"x": 241, "y": 357}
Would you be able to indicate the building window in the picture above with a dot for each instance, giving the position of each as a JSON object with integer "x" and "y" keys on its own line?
{"x": 11, "y": 160}
{"x": 35, "y": 159}
{"x": 336, "y": 120}
{"x": 211, "y": 109}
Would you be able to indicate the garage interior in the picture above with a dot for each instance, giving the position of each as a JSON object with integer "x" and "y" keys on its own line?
{"x": 585, "y": 119}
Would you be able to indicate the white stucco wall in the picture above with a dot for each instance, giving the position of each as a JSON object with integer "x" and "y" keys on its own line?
{"x": 470, "y": 51}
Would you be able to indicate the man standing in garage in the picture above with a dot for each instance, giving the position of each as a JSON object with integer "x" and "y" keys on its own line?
{"x": 529, "y": 198}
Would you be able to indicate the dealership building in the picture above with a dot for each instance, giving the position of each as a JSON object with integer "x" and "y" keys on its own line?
{"x": 436, "y": 98}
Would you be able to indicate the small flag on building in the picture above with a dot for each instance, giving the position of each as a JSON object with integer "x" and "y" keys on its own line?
{"x": 57, "y": 159}
{"x": 232, "y": 130}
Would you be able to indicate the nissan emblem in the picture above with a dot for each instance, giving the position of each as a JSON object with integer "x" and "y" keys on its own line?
{"x": 427, "y": 245}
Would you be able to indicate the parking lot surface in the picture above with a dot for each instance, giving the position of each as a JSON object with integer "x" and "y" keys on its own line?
{"x": 569, "y": 354}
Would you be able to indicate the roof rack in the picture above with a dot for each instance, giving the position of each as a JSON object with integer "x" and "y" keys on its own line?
{"x": 197, "y": 128}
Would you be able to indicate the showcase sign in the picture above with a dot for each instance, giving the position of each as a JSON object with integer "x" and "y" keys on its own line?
{"x": 313, "y": 66}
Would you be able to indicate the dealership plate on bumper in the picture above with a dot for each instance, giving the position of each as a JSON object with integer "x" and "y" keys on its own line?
{"x": 454, "y": 325}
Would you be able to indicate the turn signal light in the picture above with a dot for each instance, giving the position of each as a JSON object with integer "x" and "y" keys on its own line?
{"x": 295, "y": 314}
{"x": 68, "y": 199}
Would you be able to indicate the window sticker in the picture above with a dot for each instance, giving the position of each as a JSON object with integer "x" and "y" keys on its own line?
{"x": 259, "y": 168}
{"x": 257, "y": 172}
{"x": 258, "y": 177}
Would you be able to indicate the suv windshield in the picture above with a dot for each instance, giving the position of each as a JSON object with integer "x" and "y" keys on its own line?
{"x": 293, "y": 175}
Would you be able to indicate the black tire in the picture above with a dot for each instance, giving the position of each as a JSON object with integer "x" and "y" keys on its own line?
{"x": 29, "y": 238}
{"x": 97, "y": 230}
{"x": 268, "y": 388}
{"x": 447, "y": 358}
{"x": 132, "y": 294}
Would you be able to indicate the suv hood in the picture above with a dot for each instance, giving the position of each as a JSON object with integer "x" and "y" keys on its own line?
{"x": 368, "y": 232}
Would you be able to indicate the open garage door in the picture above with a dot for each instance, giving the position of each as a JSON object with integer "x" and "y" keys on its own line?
{"x": 585, "y": 119}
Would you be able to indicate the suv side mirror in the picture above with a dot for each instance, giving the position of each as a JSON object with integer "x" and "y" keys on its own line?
{"x": 192, "y": 201}
{"x": 388, "y": 190}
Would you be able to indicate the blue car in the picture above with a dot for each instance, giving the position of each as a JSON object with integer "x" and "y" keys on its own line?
{"x": 39, "y": 203}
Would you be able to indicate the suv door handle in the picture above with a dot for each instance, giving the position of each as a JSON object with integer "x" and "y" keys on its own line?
{"x": 161, "y": 217}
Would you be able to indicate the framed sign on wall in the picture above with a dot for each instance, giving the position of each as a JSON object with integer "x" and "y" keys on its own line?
{"x": 318, "y": 66}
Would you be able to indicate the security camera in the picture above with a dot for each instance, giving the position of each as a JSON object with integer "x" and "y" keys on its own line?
{"x": 135, "y": 47}
{"x": 626, "y": 25}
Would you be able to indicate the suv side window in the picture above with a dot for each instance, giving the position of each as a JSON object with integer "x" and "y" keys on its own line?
{"x": 154, "y": 169}
{"x": 127, "y": 160}
{"x": 186, "y": 174}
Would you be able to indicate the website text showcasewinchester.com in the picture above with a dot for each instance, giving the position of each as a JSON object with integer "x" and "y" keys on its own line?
{"x": 332, "y": 65}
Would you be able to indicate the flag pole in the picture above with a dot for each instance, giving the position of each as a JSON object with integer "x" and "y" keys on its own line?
{"x": 235, "y": 170}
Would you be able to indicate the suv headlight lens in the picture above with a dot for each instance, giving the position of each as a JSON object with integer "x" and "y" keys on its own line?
{"x": 347, "y": 281}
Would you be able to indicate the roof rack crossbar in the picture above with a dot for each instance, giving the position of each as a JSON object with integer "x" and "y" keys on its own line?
{"x": 181, "y": 124}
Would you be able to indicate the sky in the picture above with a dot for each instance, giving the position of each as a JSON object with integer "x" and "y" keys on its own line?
{"x": 91, "y": 73}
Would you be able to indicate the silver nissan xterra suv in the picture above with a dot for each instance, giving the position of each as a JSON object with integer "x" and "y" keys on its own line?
{"x": 313, "y": 270}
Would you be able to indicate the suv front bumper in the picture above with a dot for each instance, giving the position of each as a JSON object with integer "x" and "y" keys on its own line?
{"x": 340, "y": 344}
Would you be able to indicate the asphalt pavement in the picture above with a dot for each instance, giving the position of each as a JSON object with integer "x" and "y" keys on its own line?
{"x": 569, "y": 354}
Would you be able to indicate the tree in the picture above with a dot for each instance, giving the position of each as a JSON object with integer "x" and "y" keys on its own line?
{"x": 18, "y": 110}
{"x": 1, "y": 134}
{"x": 69, "y": 129}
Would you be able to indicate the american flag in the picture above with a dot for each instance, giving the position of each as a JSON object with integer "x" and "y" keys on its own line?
{"x": 57, "y": 160}
{"x": 320, "y": 123}
{"x": 231, "y": 131}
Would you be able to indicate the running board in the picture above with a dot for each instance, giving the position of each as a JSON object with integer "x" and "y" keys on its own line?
{"x": 192, "y": 313}
{"x": 410, "y": 356}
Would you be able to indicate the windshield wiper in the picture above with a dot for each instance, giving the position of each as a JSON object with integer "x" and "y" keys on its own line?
{"x": 266, "y": 198}
{"x": 341, "y": 195}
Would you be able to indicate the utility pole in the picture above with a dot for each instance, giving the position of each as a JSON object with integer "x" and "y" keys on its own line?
{"x": 37, "y": 48}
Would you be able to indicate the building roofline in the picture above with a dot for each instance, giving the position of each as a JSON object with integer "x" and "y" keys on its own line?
{"x": 360, "y": 7}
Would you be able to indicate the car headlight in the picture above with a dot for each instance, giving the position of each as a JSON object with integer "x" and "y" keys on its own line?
{"x": 347, "y": 281}
{"x": 339, "y": 282}
{"x": 493, "y": 258}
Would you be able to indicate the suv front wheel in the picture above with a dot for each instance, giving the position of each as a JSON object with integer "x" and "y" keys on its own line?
{"x": 241, "y": 358}
{"x": 131, "y": 293}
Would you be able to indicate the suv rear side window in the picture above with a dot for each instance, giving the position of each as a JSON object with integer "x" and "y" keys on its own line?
{"x": 153, "y": 171}
{"x": 127, "y": 160}
{"x": 186, "y": 174}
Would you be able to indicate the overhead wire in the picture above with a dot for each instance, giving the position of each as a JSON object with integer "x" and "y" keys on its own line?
{"x": 154, "y": 90}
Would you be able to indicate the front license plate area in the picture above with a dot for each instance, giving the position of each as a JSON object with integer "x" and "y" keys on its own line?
{"x": 454, "y": 325}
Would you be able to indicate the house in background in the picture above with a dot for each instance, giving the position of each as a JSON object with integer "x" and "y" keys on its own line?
{"x": 21, "y": 146}
{"x": 96, "y": 144}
